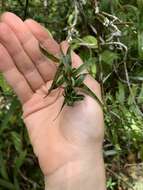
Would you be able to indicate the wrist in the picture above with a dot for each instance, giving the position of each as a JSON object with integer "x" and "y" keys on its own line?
{"x": 86, "y": 173}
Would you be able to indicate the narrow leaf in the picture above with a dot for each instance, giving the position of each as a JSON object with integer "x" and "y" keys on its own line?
{"x": 92, "y": 94}
{"x": 3, "y": 169}
{"x": 56, "y": 77}
{"x": 48, "y": 54}
{"x": 79, "y": 80}
{"x": 80, "y": 69}
{"x": 19, "y": 161}
{"x": 6, "y": 184}
{"x": 16, "y": 138}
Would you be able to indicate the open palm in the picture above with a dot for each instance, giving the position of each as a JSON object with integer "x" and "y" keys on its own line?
{"x": 56, "y": 138}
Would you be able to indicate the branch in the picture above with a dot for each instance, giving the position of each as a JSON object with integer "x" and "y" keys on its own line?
{"x": 26, "y": 9}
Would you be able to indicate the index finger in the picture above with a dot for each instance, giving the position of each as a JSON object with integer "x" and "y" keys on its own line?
{"x": 43, "y": 36}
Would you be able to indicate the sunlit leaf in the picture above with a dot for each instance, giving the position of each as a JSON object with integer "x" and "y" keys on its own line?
{"x": 80, "y": 79}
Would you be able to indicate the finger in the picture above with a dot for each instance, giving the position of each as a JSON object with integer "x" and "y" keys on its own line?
{"x": 22, "y": 61}
{"x": 31, "y": 45}
{"x": 43, "y": 36}
{"x": 13, "y": 76}
{"x": 76, "y": 62}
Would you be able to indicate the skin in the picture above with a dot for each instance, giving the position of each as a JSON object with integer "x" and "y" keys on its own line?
{"x": 69, "y": 143}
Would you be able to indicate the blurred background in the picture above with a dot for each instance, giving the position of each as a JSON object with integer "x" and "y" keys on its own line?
{"x": 108, "y": 35}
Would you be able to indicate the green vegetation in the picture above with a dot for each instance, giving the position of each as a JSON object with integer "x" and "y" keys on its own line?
{"x": 109, "y": 38}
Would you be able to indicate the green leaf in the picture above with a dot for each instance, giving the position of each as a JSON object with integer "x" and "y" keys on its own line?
{"x": 3, "y": 169}
{"x": 66, "y": 60}
{"x": 87, "y": 41}
{"x": 136, "y": 78}
{"x": 16, "y": 183}
{"x": 91, "y": 63}
{"x": 120, "y": 95}
{"x": 16, "y": 138}
{"x": 70, "y": 19}
{"x": 131, "y": 8}
{"x": 60, "y": 81}
{"x": 92, "y": 94}
{"x": 3, "y": 84}
{"x": 75, "y": 44}
{"x": 140, "y": 4}
{"x": 80, "y": 69}
{"x": 131, "y": 96}
{"x": 90, "y": 40}
{"x": 140, "y": 97}
{"x": 56, "y": 77}
{"x": 48, "y": 54}
{"x": 108, "y": 57}
{"x": 67, "y": 66}
{"x": 49, "y": 33}
{"x": 78, "y": 97}
{"x": 6, "y": 184}
{"x": 93, "y": 70}
{"x": 20, "y": 160}
{"x": 69, "y": 56}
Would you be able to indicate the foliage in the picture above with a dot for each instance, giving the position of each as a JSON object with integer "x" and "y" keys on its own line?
{"x": 70, "y": 78}
{"x": 109, "y": 38}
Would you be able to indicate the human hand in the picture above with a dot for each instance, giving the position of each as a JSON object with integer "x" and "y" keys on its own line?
{"x": 57, "y": 139}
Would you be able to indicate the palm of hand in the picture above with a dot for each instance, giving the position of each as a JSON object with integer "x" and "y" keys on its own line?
{"x": 56, "y": 138}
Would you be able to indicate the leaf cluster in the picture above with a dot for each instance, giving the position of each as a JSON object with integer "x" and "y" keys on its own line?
{"x": 69, "y": 78}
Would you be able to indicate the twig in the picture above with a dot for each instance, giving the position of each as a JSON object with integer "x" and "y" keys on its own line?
{"x": 120, "y": 177}
{"x": 26, "y": 9}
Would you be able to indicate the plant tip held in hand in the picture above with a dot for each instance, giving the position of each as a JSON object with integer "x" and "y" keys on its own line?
{"x": 69, "y": 78}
